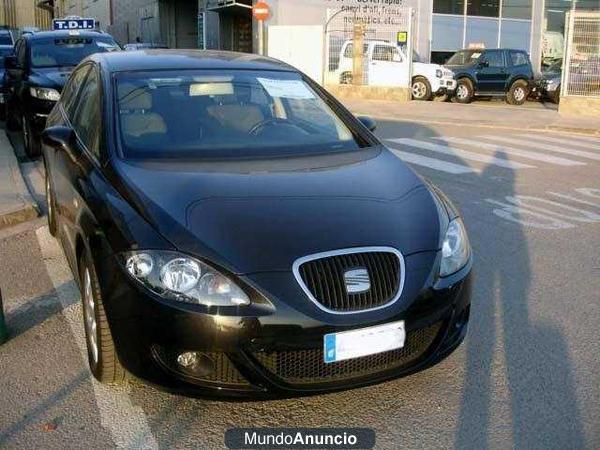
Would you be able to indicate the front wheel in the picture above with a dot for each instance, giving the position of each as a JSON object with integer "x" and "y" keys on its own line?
{"x": 464, "y": 91}
{"x": 102, "y": 356}
{"x": 421, "y": 89}
{"x": 518, "y": 92}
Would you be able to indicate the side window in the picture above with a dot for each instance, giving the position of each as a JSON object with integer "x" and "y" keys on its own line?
{"x": 86, "y": 121}
{"x": 494, "y": 58}
{"x": 518, "y": 58}
{"x": 69, "y": 93}
{"x": 383, "y": 53}
{"x": 349, "y": 51}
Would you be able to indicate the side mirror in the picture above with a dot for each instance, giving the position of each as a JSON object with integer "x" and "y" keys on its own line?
{"x": 60, "y": 138}
{"x": 368, "y": 122}
{"x": 10, "y": 62}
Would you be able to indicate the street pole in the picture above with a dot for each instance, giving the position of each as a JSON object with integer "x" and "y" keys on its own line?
{"x": 3, "y": 329}
{"x": 261, "y": 37}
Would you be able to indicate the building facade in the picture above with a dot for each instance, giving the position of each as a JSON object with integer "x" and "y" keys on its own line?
{"x": 25, "y": 13}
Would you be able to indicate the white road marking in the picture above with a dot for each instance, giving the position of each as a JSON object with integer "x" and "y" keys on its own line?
{"x": 126, "y": 422}
{"x": 525, "y": 217}
{"x": 541, "y": 146}
{"x": 452, "y": 151}
{"x": 563, "y": 140}
{"x": 514, "y": 151}
{"x": 433, "y": 163}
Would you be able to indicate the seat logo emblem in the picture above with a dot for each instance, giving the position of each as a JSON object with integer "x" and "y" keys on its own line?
{"x": 357, "y": 280}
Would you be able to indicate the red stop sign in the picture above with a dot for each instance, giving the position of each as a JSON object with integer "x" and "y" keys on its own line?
{"x": 261, "y": 11}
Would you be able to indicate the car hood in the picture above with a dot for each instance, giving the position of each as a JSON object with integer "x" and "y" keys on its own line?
{"x": 260, "y": 216}
{"x": 54, "y": 77}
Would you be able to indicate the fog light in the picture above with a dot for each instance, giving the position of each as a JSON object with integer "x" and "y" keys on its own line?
{"x": 196, "y": 363}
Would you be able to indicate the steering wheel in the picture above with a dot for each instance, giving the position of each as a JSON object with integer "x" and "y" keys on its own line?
{"x": 270, "y": 121}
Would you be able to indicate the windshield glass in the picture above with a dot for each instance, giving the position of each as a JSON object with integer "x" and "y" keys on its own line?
{"x": 4, "y": 52}
{"x": 464, "y": 57}
{"x": 68, "y": 51}
{"x": 217, "y": 114}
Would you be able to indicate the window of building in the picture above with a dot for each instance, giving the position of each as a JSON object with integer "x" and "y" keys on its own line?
{"x": 483, "y": 8}
{"x": 516, "y": 9}
{"x": 449, "y": 6}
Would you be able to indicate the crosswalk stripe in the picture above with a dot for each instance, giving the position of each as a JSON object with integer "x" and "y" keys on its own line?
{"x": 565, "y": 141}
{"x": 448, "y": 150}
{"x": 514, "y": 151}
{"x": 432, "y": 163}
{"x": 540, "y": 146}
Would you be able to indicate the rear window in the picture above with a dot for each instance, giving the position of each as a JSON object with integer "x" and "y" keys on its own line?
{"x": 68, "y": 51}
{"x": 216, "y": 114}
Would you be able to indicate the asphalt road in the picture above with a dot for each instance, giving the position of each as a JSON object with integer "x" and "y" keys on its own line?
{"x": 527, "y": 376}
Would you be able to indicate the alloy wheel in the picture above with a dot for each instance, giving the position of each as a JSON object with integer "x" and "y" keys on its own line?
{"x": 419, "y": 89}
{"x": 519, "y": 94}
{"x": 89, "y": 309}
{"x": 462, "y": 92}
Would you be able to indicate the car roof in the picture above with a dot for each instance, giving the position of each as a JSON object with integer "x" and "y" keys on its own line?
{"x": 39, "y": 35}
{"x": 174, "y": 59}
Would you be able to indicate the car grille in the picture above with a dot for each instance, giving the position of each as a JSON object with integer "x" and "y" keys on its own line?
{"x": 305, "y": 367}
{"x": 324, "y": 279}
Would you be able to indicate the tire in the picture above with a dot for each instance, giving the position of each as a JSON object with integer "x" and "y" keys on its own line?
{"x": 31, "y": 143}
{"x": 346, "y": 78}
{"x": 556, "y": 95}
{"x": 50, "y": 205}
{"x": 464, "y": 91}
{"x": 11, "y": 122}
{"x": 102, "y": 356}
{"x": 421, "y": 89}
{"x": 518, "y": 93}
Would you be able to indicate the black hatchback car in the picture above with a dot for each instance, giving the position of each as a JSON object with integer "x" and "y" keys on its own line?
{"x": 36, "y": 73}
{"x": 235, "y": 229}
{"x": 491, "y": 73}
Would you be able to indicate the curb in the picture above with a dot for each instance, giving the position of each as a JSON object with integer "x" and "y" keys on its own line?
{"x": 547, "y": 128}
{"x": 3, "y": 328}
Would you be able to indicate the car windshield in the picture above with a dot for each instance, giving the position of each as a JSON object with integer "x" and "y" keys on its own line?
{"x": 220, "y": 114}
{"x": 68, "y": 51}
{"x": 5, "y": 52}
{"x": 464, "y": 57}
{"x": 5, "y": 39}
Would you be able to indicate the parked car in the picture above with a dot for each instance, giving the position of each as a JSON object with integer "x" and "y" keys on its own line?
{"x": 5, "y": 50}
{"x": 143, "y": 46}
{"x": 388, "y": 65}
{"x": 37, "y": 72}
{"x": 549, "y": 82}
{"x": 234, "y": 229}
{"x": 493, "y": 72}
{"x": 6, "y": 37}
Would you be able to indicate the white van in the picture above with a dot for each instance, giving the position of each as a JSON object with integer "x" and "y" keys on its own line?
{"x": 387, "y": 65}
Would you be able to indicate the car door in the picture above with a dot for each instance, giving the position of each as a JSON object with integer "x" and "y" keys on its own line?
{"x": 491, "y": 72}
{"x": 385, "y": 66}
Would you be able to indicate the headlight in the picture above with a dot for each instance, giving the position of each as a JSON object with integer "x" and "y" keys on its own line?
{"x": 45, "y": 93}
{"x": 455, "y": 248}
{"x": 182, "y": 278}
{"x": 438, "y": 73}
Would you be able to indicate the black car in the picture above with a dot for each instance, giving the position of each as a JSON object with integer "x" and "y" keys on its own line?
{"x": 5, "y": 50}
{"x": 37, "y": 72}
{"x": 234, "y": 229}
{"x": 549, "y": 83}
{"x": 490, "y": 73}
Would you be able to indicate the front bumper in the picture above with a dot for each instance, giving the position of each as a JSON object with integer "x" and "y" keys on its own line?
{"x": 447, "y": 86}
{"x": 275, "y": 354}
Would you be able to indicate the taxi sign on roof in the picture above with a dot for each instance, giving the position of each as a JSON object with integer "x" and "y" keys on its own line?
{"x": 73, "y": 24}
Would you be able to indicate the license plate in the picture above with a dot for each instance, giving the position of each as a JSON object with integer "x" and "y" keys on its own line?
{"x": 363, "y": 342}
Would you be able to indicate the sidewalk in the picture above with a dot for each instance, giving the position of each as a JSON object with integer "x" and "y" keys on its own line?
{"x": 16, "y": 204}
{"x": 484, "y": 114}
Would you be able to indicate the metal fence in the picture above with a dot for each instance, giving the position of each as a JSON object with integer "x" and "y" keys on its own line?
{"x": 369, "y": 45}
{"x": 581, "y": 73}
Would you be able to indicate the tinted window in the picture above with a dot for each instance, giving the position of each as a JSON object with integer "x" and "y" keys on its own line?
{"x": 68, "y": 51}
{"x": 464, "y": 57}
{"x": 225, "y": 114}
{"x": 87, "y": 113}
{"x": 448, "y": 6}
{"x": 494, "y": 58}
{"x": 72, "y": 88}
{"x": 485, "y": 8}
{"x": 518, "y": 58}
{"x": 516, "y": 9}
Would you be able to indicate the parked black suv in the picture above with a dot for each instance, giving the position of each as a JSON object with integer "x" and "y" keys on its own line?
{"x": 37, "y": 72}
{"x": 497, "y": 72}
